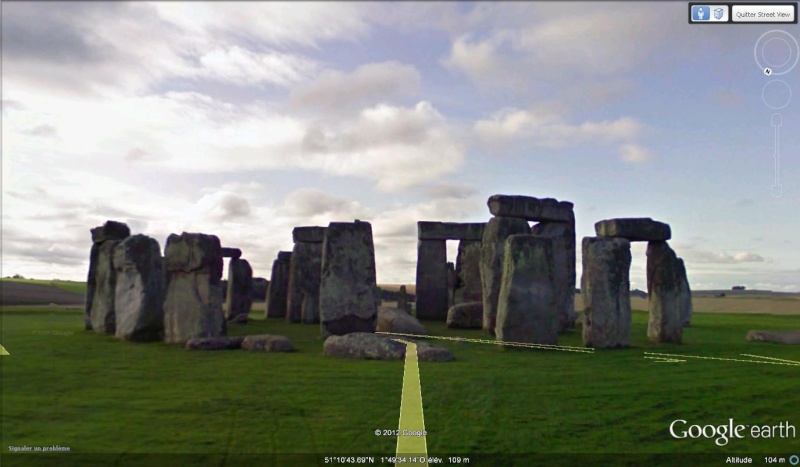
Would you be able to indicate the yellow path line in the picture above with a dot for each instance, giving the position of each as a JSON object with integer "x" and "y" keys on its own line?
{"x": 770, "y": 358}
{"x": 3, "y": 351}
{"x": 724, "y": 359}
{"x": 411, "y": 416}
{"x": 562, "y": 348}
{"x": 665, "y": 360}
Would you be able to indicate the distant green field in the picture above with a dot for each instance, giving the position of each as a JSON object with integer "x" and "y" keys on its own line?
{"x": 65, "y": 386}
{"x": 78, "y": 287}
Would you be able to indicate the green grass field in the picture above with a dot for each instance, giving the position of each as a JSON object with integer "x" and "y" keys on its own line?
{"x": 94, "y": 394}
{"x": 78, "y": 287}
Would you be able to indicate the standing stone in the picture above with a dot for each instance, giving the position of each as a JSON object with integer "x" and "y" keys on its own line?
{"x": 563, "y": 235}
{"x": 91, "y": 286}
{"x": 468, "y": 273}
{"x": 432, "y": 290}
{"x": 277, "y": 294}
{"x": 664, "y": 286}
{"x": 240, "y": 290}
{"x": 347, "y": 301}
{"x": 260, "y": 288}
{"x": 193, "y": 306}
{"x": 309, "y": 310}
{"x": 685, "y": 295}
{"x": 526, "y": 310}
{"x": 101, "y": 284}
{"x": 402, "y": 299}
{"x": 452, "y": 283}
{"x": 497, "y": 230}
{"x": 605, "y": 290}
{"x": 139, "y": 298}
{"x": 304, "y": 274}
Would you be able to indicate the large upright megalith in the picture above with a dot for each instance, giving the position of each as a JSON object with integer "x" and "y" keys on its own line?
{"x": 669, "y": 297}
{"x": 563, "y": 235}
{"x": 431, "y": 279}
{"x": 497, "y": 230}
{"x": 526, "y": 311}
{"x": 452, "y": 283}
{"x": 434, "y": 294}
{"x": 101, "y": 283}
{"x": 605, "y": 290}
{"x": 140, "y": 290}
{"x": 685, "y": 295}
{"x": 193, "y": 305}
{"x": 556, "y": 220}
{"x": 302, "y": 303}
{"x": 277, "y": 293}
{"x": 468, "y": 274}
{"x": 240, "y": 290}
{"x": 347, "y": 295}
{"x": 665, "y": 301}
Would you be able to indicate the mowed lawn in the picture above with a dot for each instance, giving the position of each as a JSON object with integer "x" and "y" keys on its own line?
{"x": 94, "y": 394}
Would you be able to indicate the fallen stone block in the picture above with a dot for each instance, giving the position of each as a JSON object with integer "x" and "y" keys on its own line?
{"x": 267, "y": 343}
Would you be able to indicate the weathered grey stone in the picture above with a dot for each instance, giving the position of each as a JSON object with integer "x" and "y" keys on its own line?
{"x": 402, "y": 299}
{"x": 399, "y": 321}
{"x": 371, "y": 346}
{"x": 465, "y": 316}
{"x": 310, "y": 234}
{"x": 641, "y": 229}
{"x": 776, "y": 337}
{"x": 267, "y": 343}
{"x": 215, "y": 343}
{"x": 239, "y": 319}
{"x": 530, "y": 208}
{"x": 111, "y": 230}
{"x": 278, "y": 292}
{"x": 664, "y": 294}
{"x": 234, "y": 253}
{"x": 240, "y": 290}
{"x": 431, "y": 293}
{"x": 605, "y": 290}
{"x": 450, "y": 231}
{"x": 91, "y": 286}
{"x": 563, "y": 235}
{"x": 194, "y": 252}
{"x": 685, "y": 295}
{"x": 526, "y": 310}
{"x": 433, "y": 353}
{"x": 310, "y": 310}
{"x": 103, "y": 308}
{"x": 452, "y": 282}
{"x": 304, "y": 277}
{"x": 140, "y": 289}
{"x": 260, "y": 289}
{"x": 468, "y": 273}
{"x": 347, "y": 297}
{"x": 193, "y": 306}
{"x": 497, "y": 230}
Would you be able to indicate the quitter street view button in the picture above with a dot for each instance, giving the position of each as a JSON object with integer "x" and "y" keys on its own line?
{"x": 764, "y": 13}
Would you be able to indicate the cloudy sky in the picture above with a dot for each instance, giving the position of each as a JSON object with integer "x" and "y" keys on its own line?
{"x": 247, "y": 119}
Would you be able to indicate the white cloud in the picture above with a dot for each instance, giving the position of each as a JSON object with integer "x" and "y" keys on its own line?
{"x": 544, "y": 127}
{"x": 369, "y": 84}
{"x": 278, "y": 23}
{"x": 634, "y": 153}
{"x": 724, "y": 257}
{"x": 244, "y": 67}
